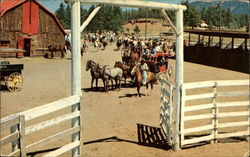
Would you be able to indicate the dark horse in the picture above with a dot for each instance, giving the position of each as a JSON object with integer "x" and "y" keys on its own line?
{"x": 136, "y": 71}
{"x": 96, "y": 73}
{"x": 67, "y": 45}
{"x": 119, "y": 44}
{"x": 125, "y": 68}
{"x": 55, "y": 48}
{"x": 104, "y": 42}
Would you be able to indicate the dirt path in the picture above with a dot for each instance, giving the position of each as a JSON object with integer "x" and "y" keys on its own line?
{"x": 111, "y": 120}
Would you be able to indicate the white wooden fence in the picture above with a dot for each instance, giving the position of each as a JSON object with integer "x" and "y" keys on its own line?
{"x": 19, "y": 132}
{"x": 225, "y": 114}
{"x": 166, "y": 109}
{"x": 219, "y": 109}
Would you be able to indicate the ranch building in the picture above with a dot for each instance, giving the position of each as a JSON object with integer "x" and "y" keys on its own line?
{"x": 28, "y": 25}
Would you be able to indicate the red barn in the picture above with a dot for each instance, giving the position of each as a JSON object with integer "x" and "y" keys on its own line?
{"x": 26, "y": 24}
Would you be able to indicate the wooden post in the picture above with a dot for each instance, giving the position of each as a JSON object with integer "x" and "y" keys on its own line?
{"x": 246, "y": 44}
{"x": 189, "y": 39}
{"x": 214, "y": 132}
{"x": 178, "y": 78}
{"x": 232, "y": 42}
{"x": 183, "y": 94}
{"x": 16, "y": 143}
{"x": 90, "y": 17}
{"x": 220, "y": 42}
{"x": 76, "y": 69}
{"x": 248, "y": 119}
{"x": 209, "y": 41}
{"x": 22, "y": 136}
{"x": 19, "y": 143}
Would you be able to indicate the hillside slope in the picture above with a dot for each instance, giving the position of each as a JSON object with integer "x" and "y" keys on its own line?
{"x": 237, "y": 7}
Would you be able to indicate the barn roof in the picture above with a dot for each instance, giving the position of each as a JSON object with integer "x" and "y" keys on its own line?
{"x": 7, "y": 5}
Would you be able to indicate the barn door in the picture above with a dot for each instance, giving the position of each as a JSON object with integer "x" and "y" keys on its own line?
{"x": 20, "y": 43}
{"x": 25, "y": 44}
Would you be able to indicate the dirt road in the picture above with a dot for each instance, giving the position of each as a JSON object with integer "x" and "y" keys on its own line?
{"x": 111, "y": 121}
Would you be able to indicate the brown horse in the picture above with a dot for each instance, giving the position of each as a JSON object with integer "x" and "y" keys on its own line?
{"x": 136, "y": 71}
{"x": 96, "y": 73}
{"x": 125, "y": 68}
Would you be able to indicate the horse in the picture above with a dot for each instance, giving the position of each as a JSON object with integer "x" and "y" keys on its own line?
{"x": 67, "y": 45}
{"x": 96, "y": 71}
{"x": 125, "y": 54}
{"x": 119, "y": 44}
{"x": 125, "y": 68}
{"x": 104, "y": 42}
{"x": 112, "y": 74}
{"x": 135, "y": 53}
{"x": 151, "y": 79}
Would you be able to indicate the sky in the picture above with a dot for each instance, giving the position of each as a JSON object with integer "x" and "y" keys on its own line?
{"x": 53, "y": 5}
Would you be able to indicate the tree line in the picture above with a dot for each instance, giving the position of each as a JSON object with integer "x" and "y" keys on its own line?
{"x": 111, "y": 18}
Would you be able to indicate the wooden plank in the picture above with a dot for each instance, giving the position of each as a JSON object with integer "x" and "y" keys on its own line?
{"x": 165, "y": 82}
{"x": 8, "y": 139}
{"x": 51, "y": 139}
{"x": 182, "y": 110}
{"x": 238, "y": 93}
{"x": 198, "y": 139}
{"x": 198, "y": 107}
{"x": 63, "y": 149}
{"x": 22, "y": 136}
{"x": 234, "y": 124}
{"x": 197, "y": 117}
{"x": 233, "y": 83}
{"x": 9, "y": 121}
{"x": 51, "y": 107}
{"x": 233, "y": 114}
{"x": 233, "y": 134}
{"x": 233, "y": 104}
{"x": 136, "y": 4}
{"x": 194, "y": 85}
{"x": 165, "y": 92}
{"x": 165, "y": 118}
{"x": 51, "y": 122}
{"x": 15, "y": 153}
{"x": 197, "y": 129}
{"x": 199, "y": 96}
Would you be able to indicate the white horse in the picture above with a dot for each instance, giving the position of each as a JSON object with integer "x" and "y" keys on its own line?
{"x": 113, "y": 74}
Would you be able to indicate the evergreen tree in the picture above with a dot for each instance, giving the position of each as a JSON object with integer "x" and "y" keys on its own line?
{"x": 137, "y": 29}
{"x": 61, "y": 14}
{"x": 68, "y": 17}
{"x": 191, "y": 15}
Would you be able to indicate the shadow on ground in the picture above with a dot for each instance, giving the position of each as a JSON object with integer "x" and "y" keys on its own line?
{"x": 147, "y": 136}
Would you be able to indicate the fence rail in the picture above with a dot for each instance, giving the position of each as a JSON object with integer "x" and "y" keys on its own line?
{"x": 19, "y": 131}
{"x": 215, "y": 112}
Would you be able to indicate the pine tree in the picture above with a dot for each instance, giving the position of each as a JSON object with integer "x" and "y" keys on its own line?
{"x": 61, "y": 15}
{"x": 137, "y": 29}
{"x": 68, "y": 17}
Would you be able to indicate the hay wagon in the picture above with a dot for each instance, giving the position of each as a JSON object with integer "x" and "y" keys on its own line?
{"x": 11, "y": 76}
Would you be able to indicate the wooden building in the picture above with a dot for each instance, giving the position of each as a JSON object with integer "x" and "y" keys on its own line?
{"x": 26, "y": 24}
{"x": 219, "y": 53}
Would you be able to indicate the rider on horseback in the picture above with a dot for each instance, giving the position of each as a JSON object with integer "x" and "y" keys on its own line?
{"x": 144, "y": 68}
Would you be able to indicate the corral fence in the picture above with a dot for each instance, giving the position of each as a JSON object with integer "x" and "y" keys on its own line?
{"x": 210, "y": 111}
{"x": 16, "y": 132}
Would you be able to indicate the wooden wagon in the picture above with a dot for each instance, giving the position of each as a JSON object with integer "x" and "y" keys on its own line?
{"x": 159, "y": 62}
{"x": 11, "y": 76}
